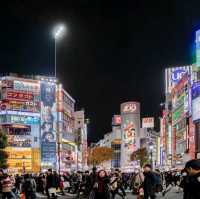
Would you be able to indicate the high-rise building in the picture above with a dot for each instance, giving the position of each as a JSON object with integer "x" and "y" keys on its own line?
{"x": 37, "y": 114}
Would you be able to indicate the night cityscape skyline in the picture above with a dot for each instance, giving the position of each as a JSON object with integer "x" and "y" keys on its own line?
{"x": 107, "y": 51}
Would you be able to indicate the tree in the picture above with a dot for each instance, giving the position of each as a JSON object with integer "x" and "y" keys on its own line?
{"x": 3, "y": 145}
{"x": 141, "y": 155}
{"x": 98, "y": 155}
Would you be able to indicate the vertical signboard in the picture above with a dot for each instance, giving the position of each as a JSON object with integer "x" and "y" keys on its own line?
{"x": 130, "y": 124}
{"x": 196, "y": 101}
{"x": 48, "y": 124}
{"x": 191, "y": 139}
{"x": 198, "y": 49}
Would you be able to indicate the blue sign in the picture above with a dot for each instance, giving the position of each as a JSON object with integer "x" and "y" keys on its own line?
{"x": 177, "y": 75}
{"x": 195, "y": 90}
{"x": 48, "y": 120}
{"x": 198, "y": 48}
{"x": 48, "y": 152}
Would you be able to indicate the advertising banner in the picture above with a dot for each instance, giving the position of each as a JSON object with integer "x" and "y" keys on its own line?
{"x": 196, "y": 101}
{"x": 27, "y": 86}
{"x": 19, "y": 140}
{"x": 130, "y": 108}
{"x": 18, "y": 158}
{"x": 26, "y": 106}
{"x": 198, "y": 48}
{"x": 130, "y": 124}
{"x": 19, "y": 95}
{"x": 173, "y": 76}
{"x": 148, "y": 122}
{"x": 191, "y": 139}
{"x": 48, "y": 123}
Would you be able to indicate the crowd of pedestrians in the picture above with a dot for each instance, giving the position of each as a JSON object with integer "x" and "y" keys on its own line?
{"x": 145, "y": 183}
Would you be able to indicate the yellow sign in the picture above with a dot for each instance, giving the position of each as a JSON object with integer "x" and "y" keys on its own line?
{"x": 36, "y": 161}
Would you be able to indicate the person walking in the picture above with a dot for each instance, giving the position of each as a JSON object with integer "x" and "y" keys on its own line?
{"x": 29, "y": 187}
{"x": 149, "y": 183}
{"x": 7, "y": 186}
{"x": 114, "y": 186}
{"x": 193, "y": 182}
{"x": 101, "y": 186}
{"x": 51, "y": 184}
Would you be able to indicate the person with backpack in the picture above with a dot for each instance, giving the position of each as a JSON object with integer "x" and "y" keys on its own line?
{"x": 158, "y": 181}
{"x": 114, "y": 186}
{"x": 29, "y": 187}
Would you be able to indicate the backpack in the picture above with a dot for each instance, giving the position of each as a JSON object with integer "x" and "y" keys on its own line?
{"x": 28, "y": 186}
{"x": 158, "y": 183}
{"x": 114, "y": 185}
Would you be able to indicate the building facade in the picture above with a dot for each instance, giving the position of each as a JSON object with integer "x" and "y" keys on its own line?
{"x": 37, "y": 114}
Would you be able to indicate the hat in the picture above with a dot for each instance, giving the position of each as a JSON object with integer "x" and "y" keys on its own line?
{"x": 194, "y": 164}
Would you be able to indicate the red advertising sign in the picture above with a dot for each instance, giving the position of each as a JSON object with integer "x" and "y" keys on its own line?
{"x": 21, "y": 96}
{"x": 191, "y": 139}
{"x": 148, "y": 122}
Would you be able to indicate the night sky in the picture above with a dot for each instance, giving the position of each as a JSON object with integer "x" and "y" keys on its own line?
{"x": 114, "y": 51}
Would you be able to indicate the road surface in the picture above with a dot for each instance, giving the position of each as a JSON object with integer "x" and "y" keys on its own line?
{"x": 171, "y": 194}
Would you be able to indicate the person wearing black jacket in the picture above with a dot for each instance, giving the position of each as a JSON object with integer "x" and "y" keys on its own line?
{"x": 149, "y": 183}
{"x": 52, "y": 181}
{"x": 193, "y": 181}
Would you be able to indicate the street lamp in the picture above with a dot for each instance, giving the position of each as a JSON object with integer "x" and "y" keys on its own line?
{"x": 58, "y": 33}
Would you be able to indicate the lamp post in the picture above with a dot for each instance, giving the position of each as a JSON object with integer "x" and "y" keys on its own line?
{"x": 58, "y": 33}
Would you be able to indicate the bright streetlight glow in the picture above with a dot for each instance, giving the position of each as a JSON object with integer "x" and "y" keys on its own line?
{"x": 59, "y": 31}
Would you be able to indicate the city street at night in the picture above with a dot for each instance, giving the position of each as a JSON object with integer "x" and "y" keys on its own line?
{"x": 100, "y": 99}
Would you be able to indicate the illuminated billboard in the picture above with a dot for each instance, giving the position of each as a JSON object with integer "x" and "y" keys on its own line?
{"x": 174, "y": 75}
{"x": 18, "y": 158}
{"x": 48, "y": 123}
{"x": 196, "y": 101}
{"x": 19, "y": 95}
{"x": 27, "y": 86}
{"x": 198, "y": 49}
{"x": 191, "y": 139}
{"x": 148, "y": 122}
{"x": 130, "y": 125}
{"x": 130, "y": 108}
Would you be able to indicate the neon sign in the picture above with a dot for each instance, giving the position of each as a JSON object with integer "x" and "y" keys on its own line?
{"x": 26, "y": 86}
{"x": 177, "y": 75}
{"x": 24, "y": 119}
{"x": 130, "y": 108}
{"x": 21, "y": 96}
{"x": 198, "y": 48}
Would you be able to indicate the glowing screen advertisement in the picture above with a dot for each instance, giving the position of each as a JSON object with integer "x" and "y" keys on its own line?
{"x": 174, "y": 75}
{"x": 130, "y": 123}
{"x": 196, "y": 101}
{"x": 48, "y": 123}
{"x": 198, "y": 48}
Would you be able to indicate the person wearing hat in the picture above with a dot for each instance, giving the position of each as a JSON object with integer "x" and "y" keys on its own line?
{"x": 193, "y": 186}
